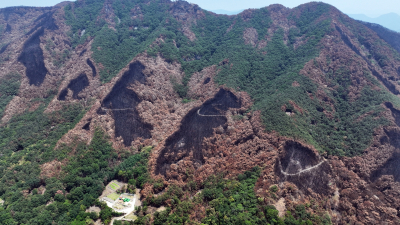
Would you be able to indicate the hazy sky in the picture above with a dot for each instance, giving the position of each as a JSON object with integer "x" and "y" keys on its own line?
{"x": 368, "y": 7}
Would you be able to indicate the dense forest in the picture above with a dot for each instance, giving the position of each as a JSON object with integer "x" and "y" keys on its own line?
{"x": 83, "y": 178}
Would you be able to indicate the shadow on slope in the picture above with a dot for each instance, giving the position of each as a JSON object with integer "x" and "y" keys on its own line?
{"x": 76, "y": 86}
{"x": 90, "y": 63}
{"x": 32, "y": 55}
{"x": 392, "y": 166}
{"x": 301, "y": 166}
{"x": 121, "y": 102}
{"x": 195, "y": 126}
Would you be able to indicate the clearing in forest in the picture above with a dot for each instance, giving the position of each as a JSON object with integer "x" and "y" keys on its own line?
{"x": 113, "y": 196}
{"x": 114, "y": 186}
{"x": 131, "y": 216}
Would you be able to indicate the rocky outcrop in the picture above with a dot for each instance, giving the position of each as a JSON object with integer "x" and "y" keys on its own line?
{"x": 250, "y": 37}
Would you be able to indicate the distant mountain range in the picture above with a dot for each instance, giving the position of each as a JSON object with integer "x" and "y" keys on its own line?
{"x": 221, "y": 11}
{"x": 390, "y": 20}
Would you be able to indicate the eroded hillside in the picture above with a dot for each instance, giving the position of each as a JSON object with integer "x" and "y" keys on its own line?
{"x": 275, "y": 115}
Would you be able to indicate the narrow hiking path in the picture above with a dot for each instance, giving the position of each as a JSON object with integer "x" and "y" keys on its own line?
{"x": 301, "y": 171}
{"x": 198, "y": 113}
{"x": 105, "y": 109}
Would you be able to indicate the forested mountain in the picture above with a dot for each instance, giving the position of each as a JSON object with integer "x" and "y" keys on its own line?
{"x": 271, "y": 116}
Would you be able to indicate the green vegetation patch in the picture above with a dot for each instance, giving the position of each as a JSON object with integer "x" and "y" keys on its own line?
{"x": 227, "y": 201}
{"x": 26, "y": 142}
{"x": 131, "y": 217}
{"x": 32, "y": 136}
{"x": 84, "y": 178}
{"x": 113, "y": 196}
{"x": 114, "y": 186}
{"x": 82, "y": 16}
{"x": 9, "y": 86}
{"x": 134, "y": 169}
{"x": 115, "y": 48}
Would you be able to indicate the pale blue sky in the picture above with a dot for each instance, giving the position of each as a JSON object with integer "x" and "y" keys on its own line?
{"x": 368, "y": 7}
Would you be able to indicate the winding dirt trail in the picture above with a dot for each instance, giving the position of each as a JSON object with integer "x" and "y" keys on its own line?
{"x": 302, "y": 171}
{"x": 105, "y": 109}
{"x": 198, "y": 113}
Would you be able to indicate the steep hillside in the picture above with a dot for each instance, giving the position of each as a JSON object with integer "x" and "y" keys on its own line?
{"x": 391, "y": 37}
{"x": 276, "y": 115}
